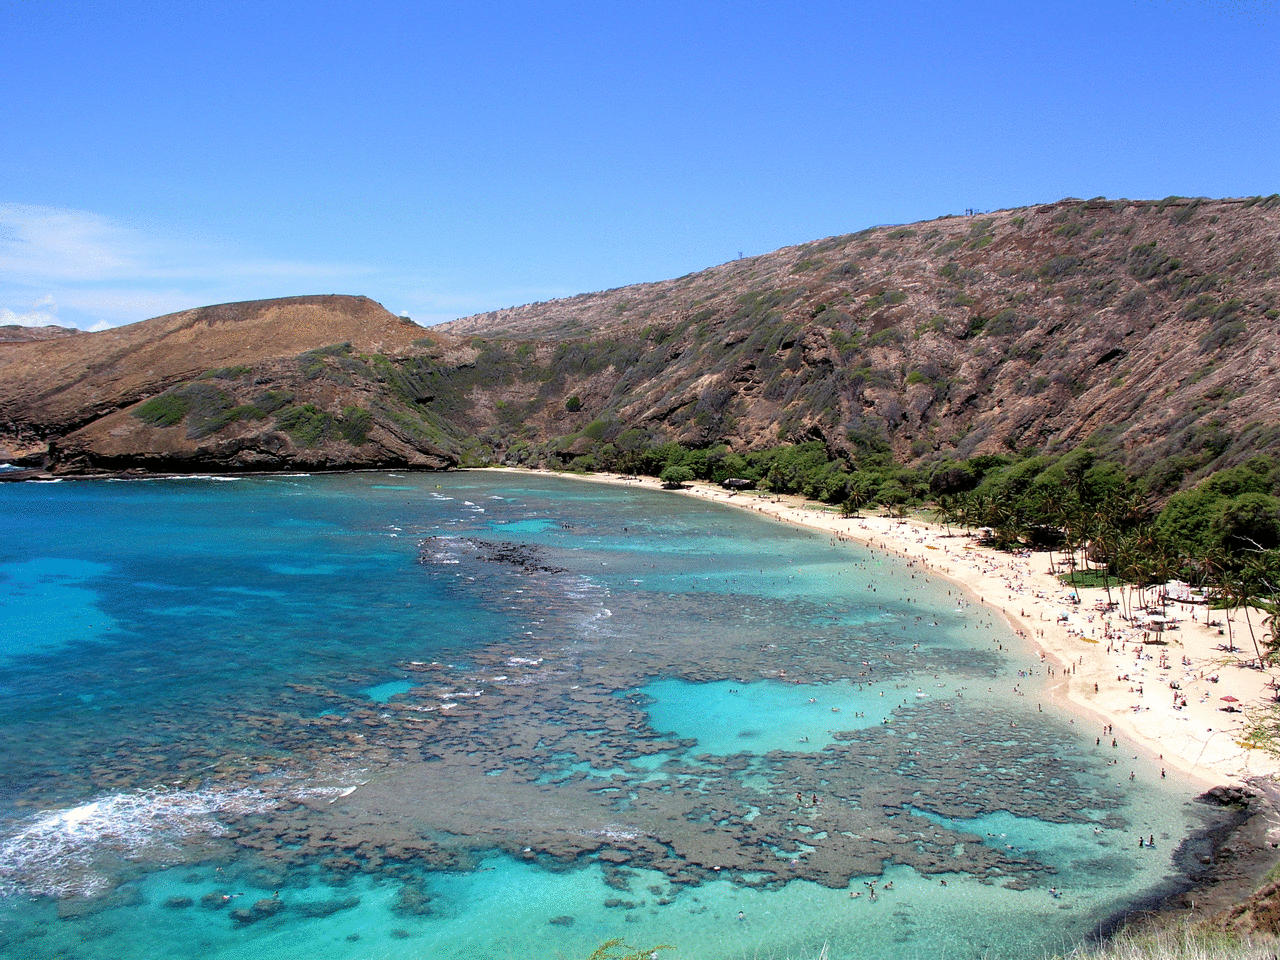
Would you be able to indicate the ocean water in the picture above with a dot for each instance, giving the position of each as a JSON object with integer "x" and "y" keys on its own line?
{"x": 494, "y": 715}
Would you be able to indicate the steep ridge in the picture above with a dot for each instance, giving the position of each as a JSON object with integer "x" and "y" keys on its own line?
{"x": 69, "y": 380}
{"x": 16, "y": 333}
{"x": 69, "y": 390}
{"x": 1148, "y": 328}
{"x": 1152, "y": 325}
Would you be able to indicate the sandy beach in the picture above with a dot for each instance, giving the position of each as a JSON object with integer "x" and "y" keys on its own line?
{"x": 1166, "y": 697}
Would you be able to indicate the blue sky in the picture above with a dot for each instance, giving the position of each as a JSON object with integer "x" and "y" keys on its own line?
{"x": 451, "y": 158}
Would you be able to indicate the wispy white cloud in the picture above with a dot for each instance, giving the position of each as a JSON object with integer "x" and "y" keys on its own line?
{"x": 48, "y": 244}
{"x": 79, "y": 268}
{"x": 29, "y": 318}
{"x": 38, "y": 313}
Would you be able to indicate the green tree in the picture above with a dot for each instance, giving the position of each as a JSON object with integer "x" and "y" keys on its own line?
{"x": 894, "y": 496}
{"x": 949, "y": 478}
{"x": 676, "y": 476}
{"x": 1187, "y": 520}
{"x": 1250, "y": 521}
{"x": 857, "y": 496}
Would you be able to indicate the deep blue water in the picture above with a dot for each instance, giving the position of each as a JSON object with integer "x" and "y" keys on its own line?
{"x": 386, "y": 715}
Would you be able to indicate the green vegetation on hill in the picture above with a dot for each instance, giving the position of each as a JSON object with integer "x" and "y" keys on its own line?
{"x": 1143, "y": 326}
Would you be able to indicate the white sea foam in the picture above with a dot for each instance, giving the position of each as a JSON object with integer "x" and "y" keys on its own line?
{"x": 528, "y": 679}
{"x": 60, "y": 852}
{"x": 216, "y": 478}
{"x": 443, "y": 550}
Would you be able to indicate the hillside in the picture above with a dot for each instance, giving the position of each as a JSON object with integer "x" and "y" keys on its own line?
{"x": 1151, "y": 326}
{"x": 16, "y": 333}
{"x": 1146, "y": 328}
{"x": 72, "y": 392}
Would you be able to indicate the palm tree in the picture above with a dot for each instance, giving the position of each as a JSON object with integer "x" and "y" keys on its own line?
{"x": 1199, "y": 570}
{"x": 855, "y": 500}
{"x": 976, "y": 511}
{"x": 1239, "y": 587}
{"x": 1220, "y": 591}
{"x": 1269, "y": 599}
{"x": 1051, "y": 511}
{"x": 1269, "y": 638}
{"x": 1126, "y": 560}
{"x": 948, "y": 511}
{"x": 1008, "y": 519}
{"x": 1255, "y": 587}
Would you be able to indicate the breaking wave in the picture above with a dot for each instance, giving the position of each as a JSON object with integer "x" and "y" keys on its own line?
{"x": 64, "y": 852}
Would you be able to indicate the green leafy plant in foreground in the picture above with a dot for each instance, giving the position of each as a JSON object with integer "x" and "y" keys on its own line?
{"x": 617, "y": 949}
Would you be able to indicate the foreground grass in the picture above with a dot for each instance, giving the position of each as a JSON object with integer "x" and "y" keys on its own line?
{"x": 1182, "y": 942}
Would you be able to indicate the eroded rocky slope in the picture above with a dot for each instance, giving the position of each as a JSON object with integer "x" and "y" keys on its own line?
{"x": 1149, "y": 328}
{"x": 1149, "y": 325}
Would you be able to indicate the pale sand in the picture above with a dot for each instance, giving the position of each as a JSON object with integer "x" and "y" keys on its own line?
{"x": 1089, "y": 650}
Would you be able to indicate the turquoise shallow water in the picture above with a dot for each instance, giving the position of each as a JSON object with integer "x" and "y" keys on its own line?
{"x": 455, "y": 716}
{"x": 726, "y": 717}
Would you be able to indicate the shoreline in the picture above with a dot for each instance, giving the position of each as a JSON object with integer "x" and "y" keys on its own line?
{"x": 1089, "y": 647}
{"x": 1216, "y": 869}
{"x": 1090, "y": 650}
{"x": 1219, "y": 868}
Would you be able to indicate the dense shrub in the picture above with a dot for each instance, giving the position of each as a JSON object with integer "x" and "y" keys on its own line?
{"x": 203, "y": 407}
{"x": 1059, "y": 266}
{"x": 166, "y": 410}
{"x": 1147, "y": 261}
{"x": 308, "y": 425}
{"x": 354, "y": 425}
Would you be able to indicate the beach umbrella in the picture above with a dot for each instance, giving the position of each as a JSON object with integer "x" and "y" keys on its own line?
{"x": 1230, "y": 699}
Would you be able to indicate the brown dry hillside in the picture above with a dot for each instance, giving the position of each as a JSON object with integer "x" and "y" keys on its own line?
{"x": 1150, "y": 324}
{"x": 1148, "y": 328}
{"x": 51, "y": 387}
{"x": 15, "y": 333}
